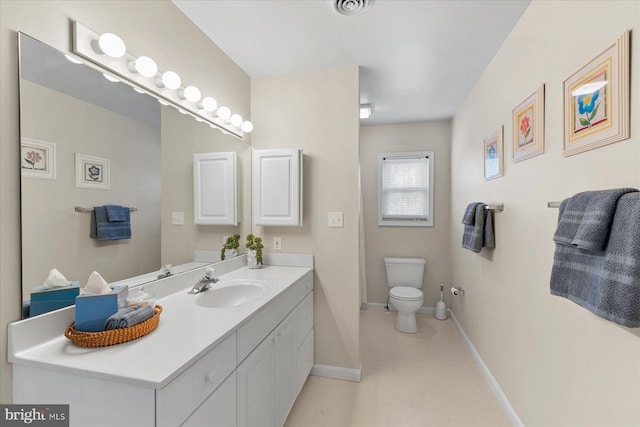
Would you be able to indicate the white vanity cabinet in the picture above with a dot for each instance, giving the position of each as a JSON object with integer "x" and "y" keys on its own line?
{"x": 215, "y": 198}
{"x": 270, "y": 378}
{"x": 250, "y": 375}
{"x": 277, "y": 187}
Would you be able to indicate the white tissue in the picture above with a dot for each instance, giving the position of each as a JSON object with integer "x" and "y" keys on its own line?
{"x": 55, "y": 280}
{"x": 96, "y": 285}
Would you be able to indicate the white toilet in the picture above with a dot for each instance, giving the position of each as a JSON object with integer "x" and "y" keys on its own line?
{"x": 404, "y": 277}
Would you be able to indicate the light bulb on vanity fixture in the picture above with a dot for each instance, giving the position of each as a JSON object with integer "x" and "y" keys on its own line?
{"x": 144, "y": 65}
{"x": 224, "y": 113}
{"x": 190, "y": 93}
{"x": 110, "y": 78}
{"x": 246, "y": 126}
{"x": 208, "y": 104}
{"x": 109, "y": 44}
{"x": 72, "y": 59}
{"x": 169, "y": 79}
{"x": 236, "y": 120}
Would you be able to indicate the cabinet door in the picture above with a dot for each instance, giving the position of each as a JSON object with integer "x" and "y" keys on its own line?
{"x": 214, "y": 189}
{"x": 256, "y": 386}
{"x": 219, "y": 409}
{"x": 277, "y": 187}
{"x": 286, "y": 366}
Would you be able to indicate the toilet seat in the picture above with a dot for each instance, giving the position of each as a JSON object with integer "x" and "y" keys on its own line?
{"x": 406, "y": 293}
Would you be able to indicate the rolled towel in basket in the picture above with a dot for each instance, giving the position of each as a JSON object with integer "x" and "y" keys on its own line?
{"x": 128, "y": 317}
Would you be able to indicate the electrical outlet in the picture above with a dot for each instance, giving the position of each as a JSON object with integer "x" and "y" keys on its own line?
{"x": 335, "y": 219}
{"x": 177, "y": 218}
{"x": 277, "y": 243}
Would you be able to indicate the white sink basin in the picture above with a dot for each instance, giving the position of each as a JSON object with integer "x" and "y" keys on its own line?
{"x": 231, "y": 293}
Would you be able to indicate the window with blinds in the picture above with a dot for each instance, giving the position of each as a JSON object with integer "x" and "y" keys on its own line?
{"x": 405, "y": 194}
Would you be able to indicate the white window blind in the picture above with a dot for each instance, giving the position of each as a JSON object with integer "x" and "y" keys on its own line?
{"x": 404, "y": 189}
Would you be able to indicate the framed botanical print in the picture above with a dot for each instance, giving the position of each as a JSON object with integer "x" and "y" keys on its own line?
{"x": 493, "y": 157}
{"x": 37, "y": 159}
{"x": 92, "y": 172}
{"x": 528, "y": 127}
{"x": 596, "y": 100}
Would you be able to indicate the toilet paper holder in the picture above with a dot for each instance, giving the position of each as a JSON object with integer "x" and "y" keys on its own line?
{"x": 457, "y": 291}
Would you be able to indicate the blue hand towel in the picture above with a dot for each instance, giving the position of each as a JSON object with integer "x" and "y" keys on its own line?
{"x": 129, "y": 316}
{"x": 606, "y": 283}
{"x": 586, "y": 218}
{"x": 102, "y": 229}
{"x": 115, "y": 213}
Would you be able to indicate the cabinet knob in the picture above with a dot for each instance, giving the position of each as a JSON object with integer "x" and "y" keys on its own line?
{"x": 211, "y": 377}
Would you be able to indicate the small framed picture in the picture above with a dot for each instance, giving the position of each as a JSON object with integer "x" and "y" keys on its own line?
{"x": 92, "y": 172}
{"x": 528, "y": 127}
{"x": 493, "y": 158}
{"x": 596, "y": 100}
{"x": 37, "y": 159}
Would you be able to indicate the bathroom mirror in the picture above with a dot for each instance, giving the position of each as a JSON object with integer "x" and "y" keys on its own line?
{"x": 71, "y": 116}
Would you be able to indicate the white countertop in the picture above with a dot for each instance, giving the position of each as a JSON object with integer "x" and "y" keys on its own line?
{"x": 186, "y": 332}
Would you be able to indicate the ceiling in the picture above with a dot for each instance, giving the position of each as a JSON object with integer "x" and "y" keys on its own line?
{"x": 418, "y": 58}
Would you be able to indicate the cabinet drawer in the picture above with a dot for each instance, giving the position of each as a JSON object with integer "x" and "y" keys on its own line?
{"x": 305, "y": 285}
{"x": 185, "y": 393}
{"x": 304, "y": 319}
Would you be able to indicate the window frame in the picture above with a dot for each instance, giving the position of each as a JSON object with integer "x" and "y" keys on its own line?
{"x": 430, "y": 155}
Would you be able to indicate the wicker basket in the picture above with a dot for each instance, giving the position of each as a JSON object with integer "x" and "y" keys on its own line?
{"x": 114, "y": 336}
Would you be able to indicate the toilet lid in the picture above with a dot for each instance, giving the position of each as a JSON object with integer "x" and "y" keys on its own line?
{"x": 406, "y": 293}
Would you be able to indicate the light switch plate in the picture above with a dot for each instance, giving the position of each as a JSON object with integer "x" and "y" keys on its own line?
{"x": 335, "y": 219}
{"x": 277, "y": 243}
{"x": 177, "y": 218}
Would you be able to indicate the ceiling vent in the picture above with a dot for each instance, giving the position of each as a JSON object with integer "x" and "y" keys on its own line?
{"x": 350, "y": 7}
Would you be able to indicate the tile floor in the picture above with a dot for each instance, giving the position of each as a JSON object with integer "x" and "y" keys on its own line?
{"x": 423, "y": 379}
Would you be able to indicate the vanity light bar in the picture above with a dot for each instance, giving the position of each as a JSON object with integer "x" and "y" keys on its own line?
{"x": 109, "y": 51}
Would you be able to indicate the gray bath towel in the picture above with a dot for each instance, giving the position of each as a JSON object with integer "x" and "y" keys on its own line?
{"x": 585, "y": 219}
{"x": 129, "y": 316}
{"x": 480, "y": 234}
{"x": 469, "y": 216}
{"x": 606, "y": 283}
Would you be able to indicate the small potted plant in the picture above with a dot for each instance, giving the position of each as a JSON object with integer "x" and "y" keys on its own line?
{"x": 230, "y": 247}
{"x": 254, "y": 255}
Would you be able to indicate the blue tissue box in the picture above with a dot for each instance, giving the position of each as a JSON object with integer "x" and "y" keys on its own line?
{"x": 44, "y": 300}
{"x": 92, "y": 310}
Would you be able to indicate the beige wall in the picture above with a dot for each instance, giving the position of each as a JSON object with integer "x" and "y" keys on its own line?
{"x": 318, "y": 112}
{"x": 430, "y": 243}
{"x": 157, "y": 29}
{"x": 57, "y": 237}
{"x": 180, "y": 140}
{"x": 557, "y": 363}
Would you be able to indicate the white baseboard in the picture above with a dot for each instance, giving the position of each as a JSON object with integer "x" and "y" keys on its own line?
{"x": 495, "y": 387}
{"x": 337, "y": 372}
{"x": 378, "y": 306}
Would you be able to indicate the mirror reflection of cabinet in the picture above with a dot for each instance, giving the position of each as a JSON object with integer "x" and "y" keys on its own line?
{"x": 277, "y": 187}
{"x": 215, "y": 189}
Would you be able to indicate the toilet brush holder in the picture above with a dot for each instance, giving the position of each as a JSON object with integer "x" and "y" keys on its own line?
{"x": 441, "y": 307}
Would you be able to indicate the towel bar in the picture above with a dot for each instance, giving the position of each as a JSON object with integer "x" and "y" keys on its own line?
{"x": 498, "y": 207}
{"x": 89, "y": 210}
{"x": 553, "y": 204}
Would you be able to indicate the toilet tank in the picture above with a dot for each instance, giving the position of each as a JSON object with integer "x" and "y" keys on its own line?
{"x": 404, "y": 272}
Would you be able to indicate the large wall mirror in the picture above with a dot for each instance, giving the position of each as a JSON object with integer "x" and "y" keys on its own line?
{"x": 70, "y": 113}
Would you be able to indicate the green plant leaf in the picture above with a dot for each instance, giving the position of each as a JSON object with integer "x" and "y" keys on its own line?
{"x": 595, "y": 111}
{"x": 584, "y": 122}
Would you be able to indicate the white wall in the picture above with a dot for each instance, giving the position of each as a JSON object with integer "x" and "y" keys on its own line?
{"x": 156, "y": 28}
{"x": 318, "y": 112}
{"x": 431, "y": 243}
{"x": 558, "y": 363}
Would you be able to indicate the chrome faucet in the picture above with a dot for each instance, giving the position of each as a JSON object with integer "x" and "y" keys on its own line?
{"x": 204, "y": 283}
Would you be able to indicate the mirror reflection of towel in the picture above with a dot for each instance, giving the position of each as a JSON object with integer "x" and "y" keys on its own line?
{"x": 102, "y": 229}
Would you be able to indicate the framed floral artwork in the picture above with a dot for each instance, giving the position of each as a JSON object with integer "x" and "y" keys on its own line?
{"x": 596, "y": 100}
{"x": 493, "y": 158}
{"x": 528, "y": 127}
{"x": 37, "y": 159}
{"x": 92, "y": 172}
